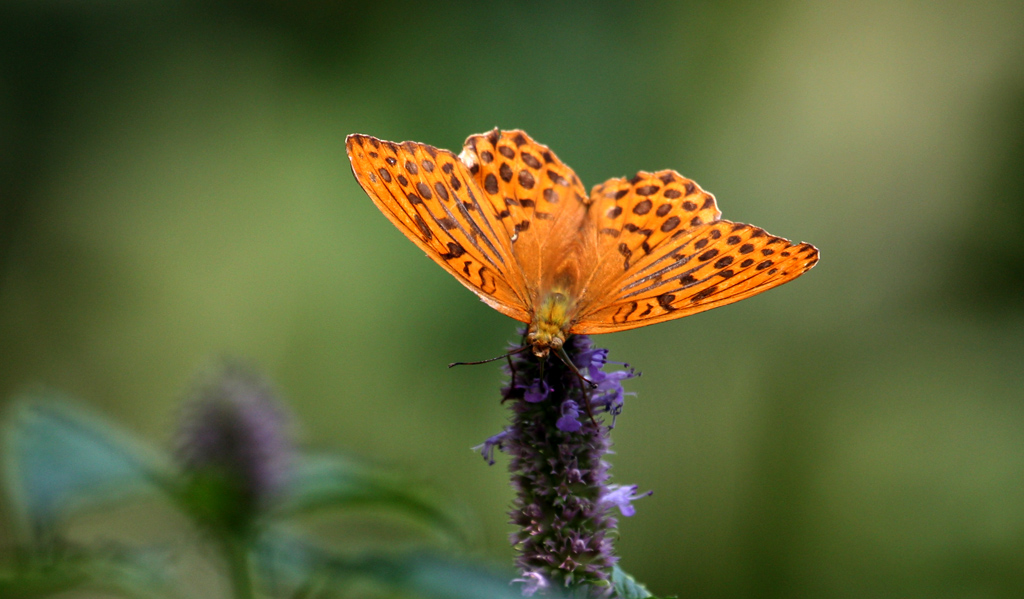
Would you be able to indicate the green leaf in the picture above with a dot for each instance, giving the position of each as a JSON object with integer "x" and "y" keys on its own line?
{"x": 333, "y": 482}
{"x": 626, "y": 587}
{"x": 32, "y": 583}
{"x": 144, "y": 574}
{"x": 125, "y": 574}
{"x": 60, "y": 459}
{"x": 313, "y": 572}
{"x": 443, "y": 578}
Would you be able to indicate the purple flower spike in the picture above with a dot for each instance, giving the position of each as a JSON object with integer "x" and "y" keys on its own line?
{"x": 563, "y": 503}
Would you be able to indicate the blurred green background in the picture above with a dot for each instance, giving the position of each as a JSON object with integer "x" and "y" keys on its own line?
{"x": 174, "y": 187}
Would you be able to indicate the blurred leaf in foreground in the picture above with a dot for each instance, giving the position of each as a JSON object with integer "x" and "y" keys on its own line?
{"x": 323, "y": 482}
{"x": 120, "y": 572}
{"x": 60, "y": 459}
{"x": 317, "y": 573}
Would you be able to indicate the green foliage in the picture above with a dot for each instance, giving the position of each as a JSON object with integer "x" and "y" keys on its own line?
{"x": 125, "y": 573}
{"x": 329, "y": 481}
{"x": 626, "y": 587}
{"x": 311, "y": 572}
{"x": 61, "y": 459}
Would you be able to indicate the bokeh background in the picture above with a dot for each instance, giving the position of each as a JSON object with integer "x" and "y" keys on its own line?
{"x": 174, "y": 187}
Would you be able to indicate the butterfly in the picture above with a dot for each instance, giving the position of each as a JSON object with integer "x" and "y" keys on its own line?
{"x": 513, "y": 223}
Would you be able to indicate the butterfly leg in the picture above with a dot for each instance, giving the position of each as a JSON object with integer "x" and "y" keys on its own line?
{"x": 586, "y": 402}
{"x": 586, "y": 385}
{"x": 511, "y": 377}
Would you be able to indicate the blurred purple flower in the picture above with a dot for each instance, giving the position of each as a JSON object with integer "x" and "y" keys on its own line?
{"x": 232, "y": 444}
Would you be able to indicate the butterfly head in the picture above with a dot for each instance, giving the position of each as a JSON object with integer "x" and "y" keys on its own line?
{"x": 550, "y": 324}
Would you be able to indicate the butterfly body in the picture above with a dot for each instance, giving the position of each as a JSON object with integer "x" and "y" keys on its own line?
{"x": 514, "y": 224}
{"x": 552, "y": 323}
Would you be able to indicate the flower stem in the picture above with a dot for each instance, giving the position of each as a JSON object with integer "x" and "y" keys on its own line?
{"x": 236, "y": 553}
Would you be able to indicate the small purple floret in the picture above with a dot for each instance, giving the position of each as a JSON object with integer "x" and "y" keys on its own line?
{"x": 537, "y": 391}
{"x": 570, "y": 420}
{"x": 622, "y": 497}
{"x": 532, "y": 582}
{"x": 487, "y": 448}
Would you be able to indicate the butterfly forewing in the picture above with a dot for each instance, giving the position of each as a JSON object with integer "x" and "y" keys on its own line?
{"x": 709, "y": 288}
{"x": 675, "y": 257}
{"x": 431, "y": 196}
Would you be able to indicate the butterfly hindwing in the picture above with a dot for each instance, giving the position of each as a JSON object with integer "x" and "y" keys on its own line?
{"x": 431, "y": 196}
{"x": 631, "y": 221}
{"x": 633, "y": 216}
{"x": 538, "y": 200}
{"x": 675, "y": 256}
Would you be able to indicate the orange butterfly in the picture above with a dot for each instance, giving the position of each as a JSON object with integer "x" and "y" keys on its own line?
{"x": 514, "y": 224}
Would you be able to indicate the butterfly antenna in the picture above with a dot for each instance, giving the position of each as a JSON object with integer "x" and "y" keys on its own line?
{"x": 585, "y": 384}
{"x": 505, "y": 355}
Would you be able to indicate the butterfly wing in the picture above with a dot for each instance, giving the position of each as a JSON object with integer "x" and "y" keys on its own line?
{"x": 432, "y": 197}
{"x": 539, "y": 202}
{"x": 663, "y": 253}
